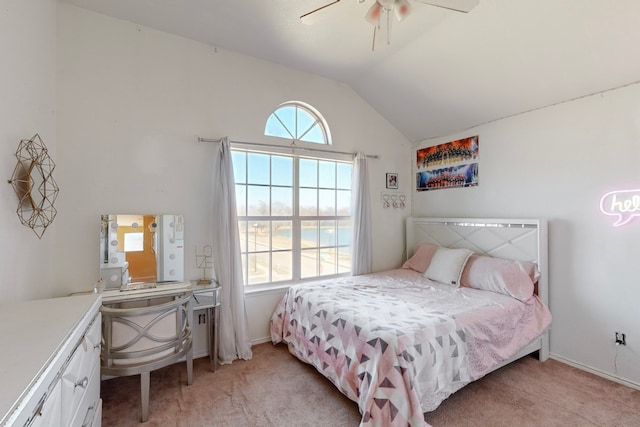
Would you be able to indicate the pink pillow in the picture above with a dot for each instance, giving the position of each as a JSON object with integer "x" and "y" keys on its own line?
{"x": 421, "y": 259}
{"x": 513, "y": 278}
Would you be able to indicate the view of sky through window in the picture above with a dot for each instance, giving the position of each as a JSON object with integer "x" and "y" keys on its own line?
{"x": 298, "y": 122}
{"x": 292, "y": 227}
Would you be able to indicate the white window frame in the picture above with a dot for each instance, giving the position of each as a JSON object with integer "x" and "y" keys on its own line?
{"x": 294, "y": 133}
{"x": 296, "y": 220}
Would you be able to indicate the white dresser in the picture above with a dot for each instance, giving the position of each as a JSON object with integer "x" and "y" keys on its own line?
{"x": 50, "y": 362}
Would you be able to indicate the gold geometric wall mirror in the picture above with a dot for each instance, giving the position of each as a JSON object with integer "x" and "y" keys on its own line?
{"x": 33, "y": 182}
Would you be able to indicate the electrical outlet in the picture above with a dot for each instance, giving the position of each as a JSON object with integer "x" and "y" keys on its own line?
{"x": 621, "y": 338}
{"x": 203, "y": 319}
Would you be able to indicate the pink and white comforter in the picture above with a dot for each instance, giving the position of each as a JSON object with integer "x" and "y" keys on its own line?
{"x": 399, "y": 344}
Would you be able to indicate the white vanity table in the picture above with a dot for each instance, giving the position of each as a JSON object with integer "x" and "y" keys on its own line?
{"x": 158, "y": 257}
{"x": 205, "y": 311}
{"x": 51, "y": 372}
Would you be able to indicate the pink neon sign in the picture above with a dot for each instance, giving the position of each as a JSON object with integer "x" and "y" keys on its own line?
{"x": 625, "y": 204}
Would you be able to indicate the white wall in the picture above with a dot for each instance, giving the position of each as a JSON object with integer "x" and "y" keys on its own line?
{"x": 27, "y": 107}
{"x": 556, "y": 163}
{"x": 131, "y": 102}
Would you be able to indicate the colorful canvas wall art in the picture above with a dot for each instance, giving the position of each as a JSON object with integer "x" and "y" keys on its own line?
{"x": 449, "y": 165}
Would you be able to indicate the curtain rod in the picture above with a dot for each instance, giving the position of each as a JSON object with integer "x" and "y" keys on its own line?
{"x": 295, "y": 147}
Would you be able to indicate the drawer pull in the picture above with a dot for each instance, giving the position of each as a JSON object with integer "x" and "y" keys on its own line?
{"x": 88, "y": 418}
{"x": 37, "y": 412}
{"x": 82, "y": 383}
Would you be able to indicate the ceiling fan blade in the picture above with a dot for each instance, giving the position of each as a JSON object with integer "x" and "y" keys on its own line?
{"x": 373, "y": 14}
{"x": 455, "y": 5}
{"x": 402, "y": 8}
{"x": 311, "y": 17}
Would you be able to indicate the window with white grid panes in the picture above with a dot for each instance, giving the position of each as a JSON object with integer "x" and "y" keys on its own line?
{"x": 294, "y": 216}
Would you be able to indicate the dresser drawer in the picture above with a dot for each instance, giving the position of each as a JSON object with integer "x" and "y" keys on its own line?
{"x": 90, "y": 402}
{"x": 94, "y": 419}
{"x": 205, "y": 299}
{"x": 49, "y": 414}
{"x": 78, "y": 376}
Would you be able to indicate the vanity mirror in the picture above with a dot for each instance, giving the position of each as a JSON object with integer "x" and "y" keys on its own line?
{"x": 141, "y": 250}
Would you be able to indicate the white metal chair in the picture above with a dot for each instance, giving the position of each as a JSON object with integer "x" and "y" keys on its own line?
{"x": 138, "y": 340}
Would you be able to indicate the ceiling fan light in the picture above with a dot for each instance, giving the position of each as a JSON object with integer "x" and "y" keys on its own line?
{"x": 373, "y": 15}
{"x": 402, "y": 8}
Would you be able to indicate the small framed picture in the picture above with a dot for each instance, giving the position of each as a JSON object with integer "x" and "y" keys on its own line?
{"x": 392, "y": 180}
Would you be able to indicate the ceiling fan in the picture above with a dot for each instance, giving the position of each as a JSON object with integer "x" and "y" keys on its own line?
{"x": 381, "y": 11}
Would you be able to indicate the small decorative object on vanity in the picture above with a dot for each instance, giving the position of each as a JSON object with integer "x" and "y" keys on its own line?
{"x": 205, "y": 262}
{"x": 33, "y": 182}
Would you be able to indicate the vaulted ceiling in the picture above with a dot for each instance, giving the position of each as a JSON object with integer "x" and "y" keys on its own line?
{"x": 443, "y": 71}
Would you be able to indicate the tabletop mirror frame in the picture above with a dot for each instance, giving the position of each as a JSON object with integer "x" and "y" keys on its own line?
{"x": 139, "y": 251}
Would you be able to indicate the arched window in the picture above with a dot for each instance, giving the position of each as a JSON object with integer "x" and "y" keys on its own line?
{"x": 298, "y": 121}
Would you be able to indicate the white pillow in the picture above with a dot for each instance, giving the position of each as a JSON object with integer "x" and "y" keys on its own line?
{"x": 447, "y": 265}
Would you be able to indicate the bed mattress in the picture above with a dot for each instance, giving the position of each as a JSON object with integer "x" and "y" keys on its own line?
{"x": 399, "y": 344}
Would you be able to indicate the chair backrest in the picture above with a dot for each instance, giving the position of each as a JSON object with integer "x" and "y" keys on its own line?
{"x": 139, "y": 339}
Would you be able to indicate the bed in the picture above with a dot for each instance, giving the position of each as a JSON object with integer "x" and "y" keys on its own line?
{"x": 399, "y": 342}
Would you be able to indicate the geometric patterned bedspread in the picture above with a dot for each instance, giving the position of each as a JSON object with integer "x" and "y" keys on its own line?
{"x": 397, "y": 343}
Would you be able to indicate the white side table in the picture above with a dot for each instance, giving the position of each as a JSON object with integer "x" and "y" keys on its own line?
{"x": 208, "y": 297}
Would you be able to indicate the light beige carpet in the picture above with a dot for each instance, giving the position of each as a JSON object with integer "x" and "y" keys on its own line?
{"x": 276, "y": 389}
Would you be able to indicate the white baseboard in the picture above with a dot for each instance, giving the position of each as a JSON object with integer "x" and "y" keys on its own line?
{"x": 262, "y": 340}
{"x": 595, "y": 371}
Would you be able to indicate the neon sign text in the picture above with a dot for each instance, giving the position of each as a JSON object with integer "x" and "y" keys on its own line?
{"x": 625, "y": 204}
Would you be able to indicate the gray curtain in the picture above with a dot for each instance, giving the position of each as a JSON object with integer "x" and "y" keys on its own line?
{"x": 362, "y": 245}
{"x": 234, "y": 342}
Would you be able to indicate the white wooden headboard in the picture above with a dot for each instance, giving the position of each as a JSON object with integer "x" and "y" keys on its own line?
{"x": 516, "y": 239}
